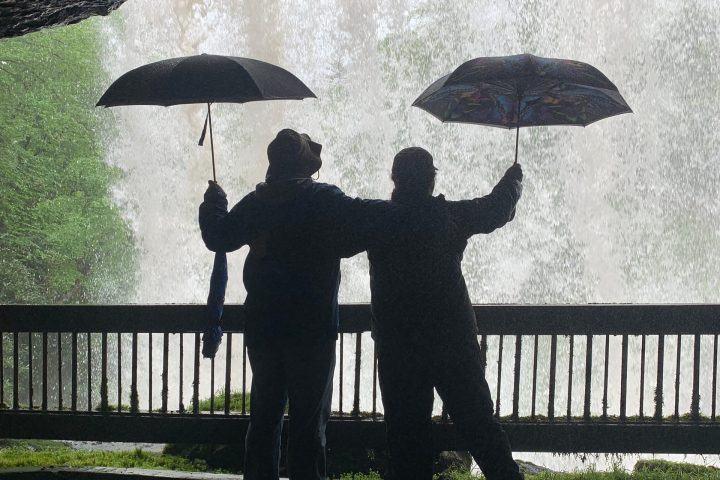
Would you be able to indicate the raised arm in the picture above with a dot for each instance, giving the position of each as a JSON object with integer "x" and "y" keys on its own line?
{"x": 224, "y": 231}
{"x": 485, "y": 214}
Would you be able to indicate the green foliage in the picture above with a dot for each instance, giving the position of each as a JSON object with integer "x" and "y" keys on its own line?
{"x": 61, "y": 238}
{"x": 236, "y": 401}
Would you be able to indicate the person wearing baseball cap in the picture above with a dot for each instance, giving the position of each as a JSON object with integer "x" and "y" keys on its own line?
{"x": 425, "y": 328}
{"x": 297, "y": 230}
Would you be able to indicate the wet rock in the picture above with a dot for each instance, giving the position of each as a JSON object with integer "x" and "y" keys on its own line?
{"x": 529, "y": 468}
{"x": 18, "y": 17}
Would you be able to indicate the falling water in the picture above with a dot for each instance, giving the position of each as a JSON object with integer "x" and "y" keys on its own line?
{"x": 622, "y": 211}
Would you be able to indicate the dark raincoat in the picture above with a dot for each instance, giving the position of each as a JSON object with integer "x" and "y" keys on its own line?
{"x": 297, "y": 230}
{"x": 418, "y": 290}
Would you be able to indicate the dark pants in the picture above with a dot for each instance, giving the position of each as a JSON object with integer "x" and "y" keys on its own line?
{"x": 303, "y": 374}
{"x": 408, "y": 373}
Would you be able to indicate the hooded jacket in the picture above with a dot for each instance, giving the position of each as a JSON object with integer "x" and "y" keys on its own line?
{"x": 418, "y": 290}
{"x": 297, "y": 230}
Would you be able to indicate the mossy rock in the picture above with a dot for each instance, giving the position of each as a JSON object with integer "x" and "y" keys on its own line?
{"x": 224, "y": 457}
{"x": 673, "y": 468}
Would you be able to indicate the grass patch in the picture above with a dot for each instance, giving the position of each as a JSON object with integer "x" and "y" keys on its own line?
{"x": 36, "y": 454}
{"x": 644, "y": 470}
{"x": 236, "y": 401}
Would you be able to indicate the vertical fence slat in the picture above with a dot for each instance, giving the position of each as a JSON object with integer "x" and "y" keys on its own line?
{"x": 499, "y": 376}
{"x": 677, "y": 377}
{"x": 31, "y": 390}
{"x": 243, "y": 410}
{"x": 150, "y": 371}
{"x": 89, "y": 371}
{"x": 659, "y": 382}
{"x": 695, "y": 402}
{"x": 2, "y": 369}
{"x": 228, "y": 368}
{"x": 166, "y": 354}
{"x": 516, "y": 377}
{"x": 374, "y": 389}
{"x": 119, "y": 372}
{"x": 623, "y": 378}
{"x": 104, "y": 375}
{"x": 358, "y": 359}
{"x": 181, "y": 405}
{"x": 340, "y": 389}
{"x": 605, "y": 377}
{"x": 534, "y": 378}
{"x": 73, "y": 371}
{"x": 60, "y": 371}
{"x": 588, "y": 375}
{"x": 553, "y": 369}
{"x": 570, "y": 376}
{"x": 714, "y": 377}
{"x": 134, "y": 399}
{"x": 16, "y": 368}
{"x": 642, "y": 376}
{"x": 44, "y": 403}
{"x": 196, "y": 376}
{"x": 212, "y": 386}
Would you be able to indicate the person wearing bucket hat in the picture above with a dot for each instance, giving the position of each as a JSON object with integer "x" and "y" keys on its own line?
{"x": 297, "y": 230}
{"x": 424, "y": 325}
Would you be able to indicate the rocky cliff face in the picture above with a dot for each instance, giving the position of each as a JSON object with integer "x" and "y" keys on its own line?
{"x": 18, "y": 17}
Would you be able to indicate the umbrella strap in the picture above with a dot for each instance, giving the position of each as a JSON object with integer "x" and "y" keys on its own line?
{"x": 204, "y": 130}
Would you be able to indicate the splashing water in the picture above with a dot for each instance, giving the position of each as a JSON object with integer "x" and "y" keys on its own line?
{"x": 618, "y": 212}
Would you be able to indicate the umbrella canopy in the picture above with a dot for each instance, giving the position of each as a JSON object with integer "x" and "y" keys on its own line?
{"x": 206, "y": 79}
{"x": 523, "y": 91}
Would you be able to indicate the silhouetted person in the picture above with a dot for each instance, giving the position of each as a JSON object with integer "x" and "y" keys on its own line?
{"x": 424, "y": 325}
{"x": 297, "y": 230}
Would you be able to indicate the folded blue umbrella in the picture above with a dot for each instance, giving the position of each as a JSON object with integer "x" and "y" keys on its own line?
{"x": 212, "y": 337}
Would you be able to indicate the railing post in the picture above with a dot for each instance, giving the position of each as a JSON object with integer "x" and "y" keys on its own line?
{"x": 134, "y": 400}
{"x": 358, "y": 353}
{"x": 588, "y": 375}
{"x": 104, "y": 375}
{"x": 16, "y": 370}
{"x": 551, "y": 389}
{"x": 695, "y": 403}
{"x": 228, "y": 370}
{"x": 196, "y": 376}
{"x": 660, "y": 378}
{"x": 44, "y": 403}
{"x": 499, "y": 376}
{"x": 166, "y": 354}
{"x": 623, "y": 379}
{"x": 516, "y": 377}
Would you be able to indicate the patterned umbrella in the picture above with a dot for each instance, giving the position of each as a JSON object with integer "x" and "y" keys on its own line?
{"x": 523, "y": 91}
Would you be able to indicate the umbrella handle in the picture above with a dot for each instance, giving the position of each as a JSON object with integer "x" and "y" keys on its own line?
{"x": 212, "y": 147}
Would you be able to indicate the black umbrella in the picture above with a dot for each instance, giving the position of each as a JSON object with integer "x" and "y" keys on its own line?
{"x": 206, "y": 79}
{"x": 523, "y": 91}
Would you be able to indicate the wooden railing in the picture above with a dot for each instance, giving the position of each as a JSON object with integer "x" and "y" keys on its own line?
{"x": 582, "y": 378}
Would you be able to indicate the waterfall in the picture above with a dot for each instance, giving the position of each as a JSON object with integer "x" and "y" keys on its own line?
{"x": 621, "y": 211}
